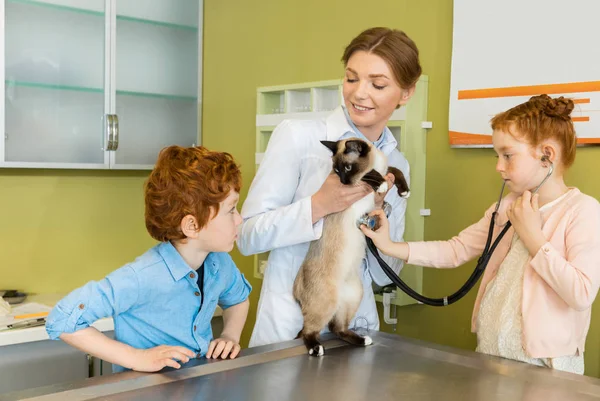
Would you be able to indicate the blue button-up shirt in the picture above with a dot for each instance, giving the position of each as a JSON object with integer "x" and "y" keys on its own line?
{"x": 154, "y": 300}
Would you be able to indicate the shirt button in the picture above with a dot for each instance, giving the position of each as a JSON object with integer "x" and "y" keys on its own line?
{"x": 81, "y": 306}
{"x": 192, "y": 275}
{"x": 197, "y": 294}
{"x": 198, "y": 355}
{"x": 194, "y": 328}
{"x": 546, "y": 249}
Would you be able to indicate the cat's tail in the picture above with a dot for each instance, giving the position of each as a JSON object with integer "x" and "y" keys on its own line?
{"x": 400, "y": 182}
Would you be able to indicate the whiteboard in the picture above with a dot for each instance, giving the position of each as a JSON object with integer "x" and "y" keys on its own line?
{"x": 505, "y": 51}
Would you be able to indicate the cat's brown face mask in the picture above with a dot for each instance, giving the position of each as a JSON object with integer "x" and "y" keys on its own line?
{"x": 354, "y": 161}
{"x": 351, "y": 159}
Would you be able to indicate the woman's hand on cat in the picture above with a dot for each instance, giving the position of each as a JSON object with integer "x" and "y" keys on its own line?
{"x": 333, "y": 197}
{"x": 379, "y": 197}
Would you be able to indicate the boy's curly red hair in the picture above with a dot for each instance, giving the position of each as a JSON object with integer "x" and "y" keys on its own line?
{"x": 187, "y": 181}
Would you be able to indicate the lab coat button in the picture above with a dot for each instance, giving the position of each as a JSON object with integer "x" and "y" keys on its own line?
{"x": 192, "y": 275}
{"x": 81, "y": 306}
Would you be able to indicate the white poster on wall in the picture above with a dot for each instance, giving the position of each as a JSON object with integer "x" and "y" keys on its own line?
{"x": 505, "y": 51}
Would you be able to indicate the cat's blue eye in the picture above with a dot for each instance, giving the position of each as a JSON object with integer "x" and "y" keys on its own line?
{"x": 347, "y": 168}
{"x": 336, "y": 170}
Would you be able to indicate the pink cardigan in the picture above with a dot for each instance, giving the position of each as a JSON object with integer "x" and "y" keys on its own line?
{"x": 560, "y": 282}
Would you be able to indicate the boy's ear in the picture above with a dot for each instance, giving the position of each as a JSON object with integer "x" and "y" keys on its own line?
{"x": 331, "y": 145}
{"x": 189, "y": 226}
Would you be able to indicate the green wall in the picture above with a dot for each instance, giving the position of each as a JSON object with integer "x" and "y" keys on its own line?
{"x": 272, "y": 42}
{"x": 62, "y": 228}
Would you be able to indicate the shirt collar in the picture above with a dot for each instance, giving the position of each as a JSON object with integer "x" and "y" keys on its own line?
{"x": 178, "y": 267}
{"x": 340, "y": 126}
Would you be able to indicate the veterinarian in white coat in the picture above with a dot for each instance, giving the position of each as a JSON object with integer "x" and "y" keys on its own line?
{"x": 291, "y": 192}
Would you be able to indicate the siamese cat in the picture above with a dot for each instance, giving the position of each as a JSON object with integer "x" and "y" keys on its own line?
{"x": 328, "y": 286}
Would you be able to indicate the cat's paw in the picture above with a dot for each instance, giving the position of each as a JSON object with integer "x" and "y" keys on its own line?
{"x": 382, "y": 188}
{"x": 368, "y": 340}
{"x": 317, "y": 350}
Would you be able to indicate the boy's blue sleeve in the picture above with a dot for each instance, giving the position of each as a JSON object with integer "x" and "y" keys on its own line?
{"x": 237, "y": 287}
{"x": 97, "y": 299}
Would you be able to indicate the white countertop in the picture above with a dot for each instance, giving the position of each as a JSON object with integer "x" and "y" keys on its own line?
{"x": 19, "y": 336}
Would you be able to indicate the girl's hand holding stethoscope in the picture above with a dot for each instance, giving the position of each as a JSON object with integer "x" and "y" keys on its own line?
{"x": 524, "y": 215}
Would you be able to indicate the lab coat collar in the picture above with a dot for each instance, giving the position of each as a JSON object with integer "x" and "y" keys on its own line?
{"x": 338, "y": 126}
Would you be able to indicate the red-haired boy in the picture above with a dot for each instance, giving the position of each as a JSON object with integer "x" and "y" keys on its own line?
{"x": 163, "y": 302}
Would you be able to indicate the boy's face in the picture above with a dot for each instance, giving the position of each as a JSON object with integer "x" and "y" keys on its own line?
{"x": 220, "y": 233}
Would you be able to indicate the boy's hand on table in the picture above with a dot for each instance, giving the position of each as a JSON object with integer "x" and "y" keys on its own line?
{"x": 154, "y": 359}
{"x": 223, "y": 347}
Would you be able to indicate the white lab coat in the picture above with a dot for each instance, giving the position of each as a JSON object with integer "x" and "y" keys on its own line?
{"x": 277, "y": 218}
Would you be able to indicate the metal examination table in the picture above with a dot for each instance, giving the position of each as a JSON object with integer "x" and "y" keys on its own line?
{"x": 393, "y": 368}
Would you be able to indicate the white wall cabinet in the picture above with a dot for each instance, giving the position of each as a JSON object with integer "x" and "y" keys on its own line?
{"x": 98, "y": 84}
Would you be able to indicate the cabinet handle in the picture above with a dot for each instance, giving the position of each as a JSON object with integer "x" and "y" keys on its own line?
{"x": 108, "y": 124}
{"x": 115, "y": 131}
{"x": 90, "y": 360}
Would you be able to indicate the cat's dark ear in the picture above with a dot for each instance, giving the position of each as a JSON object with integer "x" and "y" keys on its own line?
{"x": 357, "y": 146}
{"x": 331, "y": 145}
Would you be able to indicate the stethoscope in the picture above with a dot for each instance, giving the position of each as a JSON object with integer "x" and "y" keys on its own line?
{"x": 481, "y": 262}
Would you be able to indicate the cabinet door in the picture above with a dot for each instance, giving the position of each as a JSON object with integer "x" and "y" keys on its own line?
{"x": 54, "y": 84}
{"x": 157, "y": 78}
{"x": 40, "y": 363}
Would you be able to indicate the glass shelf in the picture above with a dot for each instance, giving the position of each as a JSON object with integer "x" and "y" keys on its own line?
{"x": 9, "y": 83}
{"x": 157, "y": 23}
{"x": 58, "y": 7}
{"x": 101, "y": 13}
{"x": 41, "y": 85}
{"x": 157, "y": 95}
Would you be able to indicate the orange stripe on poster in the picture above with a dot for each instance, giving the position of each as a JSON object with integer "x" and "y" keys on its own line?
{"x": 588, "y": 141}
{"x": 463, "y": 138}
{"x": 580, "y": 119}
{"x": 531, "y": 90}
{"x": 579, "y": 101}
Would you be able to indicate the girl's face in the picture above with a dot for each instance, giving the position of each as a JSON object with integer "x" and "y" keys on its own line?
{"x": 519, "y": 163}
{"x": 371, "y": 93}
